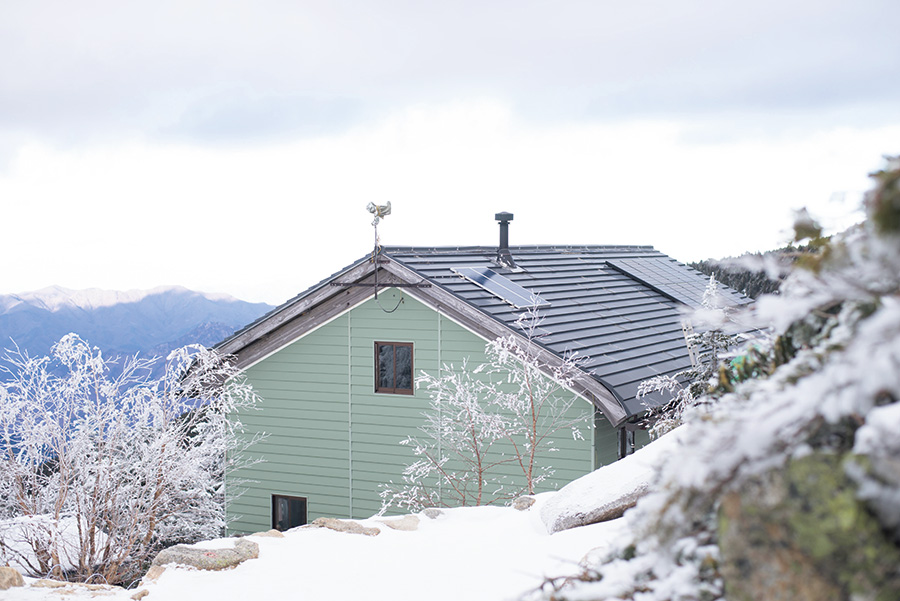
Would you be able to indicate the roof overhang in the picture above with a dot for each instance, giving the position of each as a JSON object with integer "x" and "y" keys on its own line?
{"x": 444, "y": 301}
{"x": 354, "y": 285}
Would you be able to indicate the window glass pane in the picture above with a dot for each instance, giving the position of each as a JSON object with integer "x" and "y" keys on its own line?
{"x": 404, "y": 367}
{"x": 281, "y": 514}
{"x": 297, "y": 510}
{"x": 386, "y": 366}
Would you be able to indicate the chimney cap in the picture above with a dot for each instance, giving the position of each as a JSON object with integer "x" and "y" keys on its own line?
{"x": 504, "y": 216}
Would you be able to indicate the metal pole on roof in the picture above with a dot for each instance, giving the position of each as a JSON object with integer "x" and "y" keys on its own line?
{"x": 380, "y": 212}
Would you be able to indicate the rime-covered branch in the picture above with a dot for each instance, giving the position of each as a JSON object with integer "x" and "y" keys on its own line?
{"x": 102, "y": 464}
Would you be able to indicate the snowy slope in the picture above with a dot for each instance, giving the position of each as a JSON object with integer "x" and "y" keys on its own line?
{"x": 476, "y": 554}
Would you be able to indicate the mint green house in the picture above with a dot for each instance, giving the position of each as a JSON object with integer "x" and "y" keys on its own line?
{"x": 336, "y": 364}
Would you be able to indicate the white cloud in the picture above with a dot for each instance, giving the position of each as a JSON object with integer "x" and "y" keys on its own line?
{"x": 93, "y": 70}
{"x": 264, "y": 221}
{"x": 228, "y": 146}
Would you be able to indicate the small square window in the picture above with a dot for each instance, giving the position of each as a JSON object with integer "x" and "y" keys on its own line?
{"x": 288, "y": 512}
{"x": 394, "y": 367}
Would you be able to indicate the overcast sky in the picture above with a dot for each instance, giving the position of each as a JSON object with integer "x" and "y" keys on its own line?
{"x": 233, "y": 146}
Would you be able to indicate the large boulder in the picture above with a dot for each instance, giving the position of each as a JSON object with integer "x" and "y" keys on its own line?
{"x": 522, "y": 503}
{"x": 606, "y": 493}
{"x": 9, "y": 578}
{"x": 801, "y": 533}
{"x": 594, "y": 511}
{"x": 432, "y": 513}
{"x": 348, "y": 526}
{"x": 209, "y": 559}
{"x": 269, "y": 534}
{"x": 407, "y": 523}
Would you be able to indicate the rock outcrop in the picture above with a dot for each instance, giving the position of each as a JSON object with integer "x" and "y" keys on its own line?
{"x": 602, "y": 511}
{"x": 522, "y": 503}
{"x": 269, "y": 534}
{"x": 598, "y": 497}
{"x": 407, "y": 523}
{"x": 9, "y": 578}
{"x": 801, "y": 533}
{"x": 209, "y": 559}
{"x": 348, "y": 526}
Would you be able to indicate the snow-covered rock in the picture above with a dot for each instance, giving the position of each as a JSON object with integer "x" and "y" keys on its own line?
{"x": 9, "y": 578}
{"x": 344, "y": 526}
{"x": 606, "y": 493}
{"x": 522, "y": 503}
{"x": 209, "y": 557}
{"x": 502, "y": 553}
{"x": 269, "y": 534}
{"x": 407, "y": 523}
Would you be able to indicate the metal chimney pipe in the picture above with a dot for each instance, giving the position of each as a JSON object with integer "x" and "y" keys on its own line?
{"x": 503, "y": 254}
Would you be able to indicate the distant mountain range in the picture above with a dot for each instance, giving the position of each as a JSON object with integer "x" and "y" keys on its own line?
{"x": 149, "y": 322}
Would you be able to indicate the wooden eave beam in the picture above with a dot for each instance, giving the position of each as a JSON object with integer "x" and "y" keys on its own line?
{"x": 272, "y": 332}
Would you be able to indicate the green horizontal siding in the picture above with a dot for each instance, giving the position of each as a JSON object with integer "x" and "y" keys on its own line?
{"x": 333, "y": 440}
{"x": 605, "y": 441}
{"x": 304, "y": 414}
{"x": 381, "y": 421}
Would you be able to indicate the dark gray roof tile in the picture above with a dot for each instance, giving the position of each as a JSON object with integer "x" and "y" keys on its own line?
{"x": 619, "y": 307}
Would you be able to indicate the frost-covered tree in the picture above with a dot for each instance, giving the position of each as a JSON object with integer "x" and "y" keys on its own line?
{"x": 455, "y": 466}
{"x": 102, "y": 466}
{"x": 688, "y": 387}
{"x": 488, "y": 428}
{"x": 533, "y": 392}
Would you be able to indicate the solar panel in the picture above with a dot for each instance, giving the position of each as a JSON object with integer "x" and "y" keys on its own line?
{"x": 673, "y": 280}
{"x": 500, "y": 286}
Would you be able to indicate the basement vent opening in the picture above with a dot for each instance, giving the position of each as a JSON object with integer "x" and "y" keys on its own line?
{"x": 500, "y": 286}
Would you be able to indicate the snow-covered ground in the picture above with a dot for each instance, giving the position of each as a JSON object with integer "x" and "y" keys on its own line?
{"x": 478, "y": 553}
{"x": 471, "y": 553}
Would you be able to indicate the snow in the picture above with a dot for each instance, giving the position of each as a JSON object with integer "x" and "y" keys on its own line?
{"x": 475, "y": 553}
{"x": 879, "y": 433}
{"x": 16, "y": 532}
{"x": 217, "y": 543}
{"x": 628, "y": 477}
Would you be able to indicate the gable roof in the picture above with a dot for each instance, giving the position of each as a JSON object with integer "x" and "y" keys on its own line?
{"x": 619, "y": 307}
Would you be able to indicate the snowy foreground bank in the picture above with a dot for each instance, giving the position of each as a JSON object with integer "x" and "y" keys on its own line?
{"x": 474, "y": 553}
{"x": 489, "y": 553}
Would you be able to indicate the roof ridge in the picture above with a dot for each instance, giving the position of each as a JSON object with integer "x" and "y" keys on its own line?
{"x": 526, "y": 247}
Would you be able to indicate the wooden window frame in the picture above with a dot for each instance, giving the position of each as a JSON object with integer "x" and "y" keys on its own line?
{"x": 305, "y": 500}
{"x": 384, "y": 390}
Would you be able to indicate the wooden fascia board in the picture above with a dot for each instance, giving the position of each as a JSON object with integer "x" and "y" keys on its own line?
{"x": 489, "y": 328}
{"x": 307, "y": 314}
{"x": 289, "y": 312}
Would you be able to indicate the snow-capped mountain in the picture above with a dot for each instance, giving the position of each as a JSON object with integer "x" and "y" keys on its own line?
{"x": 150, "y": 322}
